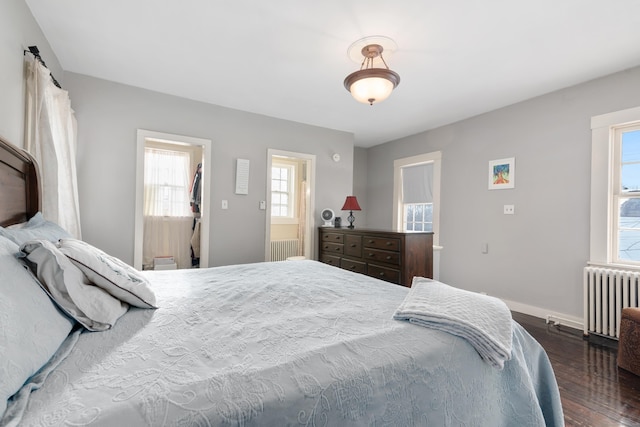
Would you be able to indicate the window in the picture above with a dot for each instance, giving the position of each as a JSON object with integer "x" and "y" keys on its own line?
{"x": 418, "y": 217}
{"x": 166, "y": 183}
{"x": 417, "y": 193}
{"x": 282, "y": 190}
{"x": 626, "y": 194}
{"x": 614, "y": 237}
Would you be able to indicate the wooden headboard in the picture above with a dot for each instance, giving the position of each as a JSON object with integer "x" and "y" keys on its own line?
{"x": 19, "y": 185}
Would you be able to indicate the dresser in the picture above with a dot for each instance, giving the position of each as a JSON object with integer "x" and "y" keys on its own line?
{"x": 388, "y": 255}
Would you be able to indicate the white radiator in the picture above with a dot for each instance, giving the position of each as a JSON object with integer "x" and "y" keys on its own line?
{"x": 606, "y": 292}
{"x": 282, "y": 249}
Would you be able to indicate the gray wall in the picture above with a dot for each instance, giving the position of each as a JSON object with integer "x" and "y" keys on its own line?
{"x": 108, "y": 116}
{"x": 535, "y": 256}
{"x": 360, "y": 184}
{"x": 18, "y": 30}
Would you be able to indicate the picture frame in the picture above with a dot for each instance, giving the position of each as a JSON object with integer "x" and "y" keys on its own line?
{"x": 502, "y": 174}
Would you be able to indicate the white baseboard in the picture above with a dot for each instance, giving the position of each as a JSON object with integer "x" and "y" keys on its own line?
{"x": 554, "y": 317}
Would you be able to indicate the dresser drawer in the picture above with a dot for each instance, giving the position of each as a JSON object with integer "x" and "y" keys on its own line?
{"x": 351, "y": 265}
{"x": 331, "y": 260}
{"x": 334, "y": 248}
{"x": 378, "y": 255}
{"x": 353, "y": 246}
{"x": 381, "y": 243}
{"x": 384, "y": 273}
{"x": 332, "y": 237}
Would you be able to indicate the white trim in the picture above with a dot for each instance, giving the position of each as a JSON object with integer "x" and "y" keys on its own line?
{"x": 142, "y": 136}
{"x": 398, "y": 164}
{"x": 549, "y": 316}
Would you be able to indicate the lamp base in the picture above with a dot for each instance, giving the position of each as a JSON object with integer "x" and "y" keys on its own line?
{"x": 351, "y": 218}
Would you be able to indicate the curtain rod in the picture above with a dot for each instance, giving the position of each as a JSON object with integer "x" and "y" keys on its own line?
{"x": 36, "y": 54}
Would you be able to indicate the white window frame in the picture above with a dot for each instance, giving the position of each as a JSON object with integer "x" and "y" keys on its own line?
{"x": 604, "y": 169}
{"x": 423, "y": 222}
{"x": 398, "y": 220}
{"x": 617, "y": 195}
{"x": 292, "y": 192}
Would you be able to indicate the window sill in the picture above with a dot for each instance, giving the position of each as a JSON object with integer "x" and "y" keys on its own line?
{"x": 627, "y": 267}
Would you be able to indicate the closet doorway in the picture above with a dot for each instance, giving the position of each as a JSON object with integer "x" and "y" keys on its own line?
{"x": 172, "y": 202}
{"x": 290, "y": 204}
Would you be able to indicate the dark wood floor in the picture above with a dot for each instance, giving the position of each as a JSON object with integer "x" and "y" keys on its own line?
{"x": 594, "y": 391}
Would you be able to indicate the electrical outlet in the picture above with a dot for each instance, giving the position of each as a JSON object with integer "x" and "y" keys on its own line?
{"x": 509, "y": 209}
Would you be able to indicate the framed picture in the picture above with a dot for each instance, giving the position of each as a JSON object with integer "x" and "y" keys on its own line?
{"x": 502, "y": 174}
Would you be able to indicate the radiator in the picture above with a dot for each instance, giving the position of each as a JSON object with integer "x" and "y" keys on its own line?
{"x": 606, "y": 292}
{"x": 282, "y": 249}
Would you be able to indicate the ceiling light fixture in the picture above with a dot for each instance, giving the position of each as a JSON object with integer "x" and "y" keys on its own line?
{"x": 371, "y": 83}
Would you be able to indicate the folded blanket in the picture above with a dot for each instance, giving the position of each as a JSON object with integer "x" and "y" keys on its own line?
{"x": 482, "y": 320}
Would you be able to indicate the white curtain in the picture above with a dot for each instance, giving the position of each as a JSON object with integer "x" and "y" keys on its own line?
{"x": 168, "y": 219}
{"x": 167, "y": 236}
{"x": 166, "y": 183}
{"x": 51, "y": 139}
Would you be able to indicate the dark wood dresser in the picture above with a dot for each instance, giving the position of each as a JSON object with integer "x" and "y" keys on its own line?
{"x": 388, "y": 255}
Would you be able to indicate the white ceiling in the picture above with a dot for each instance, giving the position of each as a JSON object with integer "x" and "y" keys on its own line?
{"x": 288, "y": 58}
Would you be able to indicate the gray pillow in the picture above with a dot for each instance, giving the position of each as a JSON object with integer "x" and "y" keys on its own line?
{"x": 31, "y": 326}
{"x": 36, "y": 228}
{"x": 111, "y": 274}
{"x": 90, "y": 305}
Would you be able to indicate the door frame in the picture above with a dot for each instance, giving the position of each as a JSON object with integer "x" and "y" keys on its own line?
{"x": 142, "y": 136}
{"x": 309, "y": 249}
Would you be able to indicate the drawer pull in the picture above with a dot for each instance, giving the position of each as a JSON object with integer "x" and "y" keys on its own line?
{"x": 370, "y": 241}
{"x": 353, "y": 245}
{"x": 388, "y": 243}
{"x": 388, "y": 256}
{"x": 381, "y": 274}
{"x": 337, "y": 249}
{"x": 372, "y": 255}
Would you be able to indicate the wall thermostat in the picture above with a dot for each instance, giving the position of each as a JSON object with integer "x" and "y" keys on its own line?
{"x": 336, "y": 157}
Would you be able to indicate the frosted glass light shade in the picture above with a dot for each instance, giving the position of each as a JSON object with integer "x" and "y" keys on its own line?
{"x": 371, "y": 85}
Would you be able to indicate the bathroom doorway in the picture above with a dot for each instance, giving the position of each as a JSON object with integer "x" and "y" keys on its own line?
{"x": 290, "y": 204}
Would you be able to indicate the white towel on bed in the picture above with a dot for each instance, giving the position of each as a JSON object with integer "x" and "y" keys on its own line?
{"x": 482, "y": 320}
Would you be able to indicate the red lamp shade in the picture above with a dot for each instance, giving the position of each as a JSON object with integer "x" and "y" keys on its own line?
{"x": 351, "y": 204}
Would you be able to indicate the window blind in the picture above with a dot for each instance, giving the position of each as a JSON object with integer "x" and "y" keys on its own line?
{"x": 417, "y": 183}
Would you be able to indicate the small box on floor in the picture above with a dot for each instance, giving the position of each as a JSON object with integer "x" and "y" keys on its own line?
{"x": 164, "y": 263}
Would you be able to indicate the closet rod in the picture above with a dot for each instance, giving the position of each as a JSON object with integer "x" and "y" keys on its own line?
{"x": 36, "y": 54}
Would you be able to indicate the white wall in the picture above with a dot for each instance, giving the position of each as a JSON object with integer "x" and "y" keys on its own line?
{"x": 108, "y": 116}
{"x": 535, "y": 256}
{"x": 18, "y": 31}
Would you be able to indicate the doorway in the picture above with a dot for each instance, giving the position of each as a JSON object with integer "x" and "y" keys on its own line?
{"x": 172, "y": 201}
{"x": 290, "y": 204}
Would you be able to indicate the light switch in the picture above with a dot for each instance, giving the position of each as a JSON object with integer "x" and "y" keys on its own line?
{"x": 225, "y": 204}
{"x": 263, "y": 205}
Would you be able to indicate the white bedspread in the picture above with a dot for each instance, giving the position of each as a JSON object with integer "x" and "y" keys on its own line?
{"x": 287, "y": 344}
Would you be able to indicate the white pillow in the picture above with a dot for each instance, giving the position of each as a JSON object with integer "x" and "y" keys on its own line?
{"x": 111, "y": 274}
{"x": 36, "y": 228}
{"x": 90, "y": 305}
{"x": 31, "y": 326}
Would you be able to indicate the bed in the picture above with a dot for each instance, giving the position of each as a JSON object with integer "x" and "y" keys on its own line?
{"x": 292, "y": 343}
